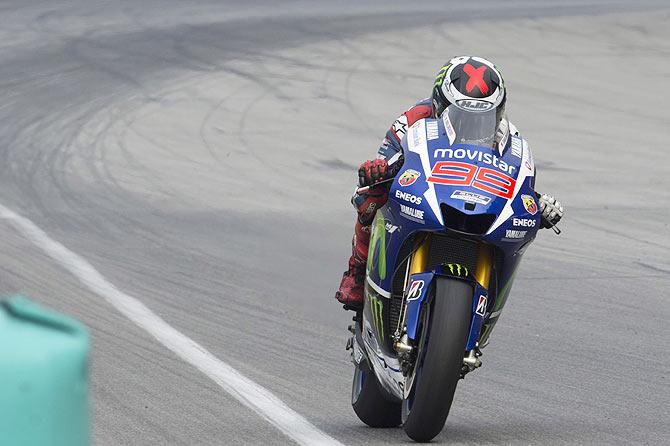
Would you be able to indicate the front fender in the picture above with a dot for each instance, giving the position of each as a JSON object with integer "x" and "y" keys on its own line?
{"x": 420, "y": 290}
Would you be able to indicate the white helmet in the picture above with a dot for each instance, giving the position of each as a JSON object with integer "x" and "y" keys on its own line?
{"x": 470, "y": 82}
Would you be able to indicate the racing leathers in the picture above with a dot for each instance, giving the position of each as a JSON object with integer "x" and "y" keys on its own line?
{"x": 388, "y": 162}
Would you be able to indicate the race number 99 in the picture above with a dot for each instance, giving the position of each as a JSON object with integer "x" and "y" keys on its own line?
{"x": 455, "y": 173}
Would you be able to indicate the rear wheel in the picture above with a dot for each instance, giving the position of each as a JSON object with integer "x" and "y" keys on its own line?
{"x": 439, "y": 361}
{"x": 368, "y": 401}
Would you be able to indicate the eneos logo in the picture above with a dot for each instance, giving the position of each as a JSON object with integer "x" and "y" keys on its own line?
{"x": 408, "y": 177}
{"x": 408, "y": 197}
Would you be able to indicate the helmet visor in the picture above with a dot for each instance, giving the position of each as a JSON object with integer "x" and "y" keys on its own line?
{"x": 471, "y": 126}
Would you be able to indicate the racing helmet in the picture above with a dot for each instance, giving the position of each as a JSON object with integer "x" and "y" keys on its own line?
{"x": 472, "y": 83}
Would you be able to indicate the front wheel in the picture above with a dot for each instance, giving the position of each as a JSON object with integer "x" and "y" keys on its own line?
{"x": 439, "y": 362}
{"x": 369, "y": 402}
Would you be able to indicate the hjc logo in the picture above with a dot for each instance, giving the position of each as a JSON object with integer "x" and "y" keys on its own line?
{"x": 474, "y": 105}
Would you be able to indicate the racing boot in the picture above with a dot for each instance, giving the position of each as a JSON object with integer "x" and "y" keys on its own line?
{"x": 350, "y": 292}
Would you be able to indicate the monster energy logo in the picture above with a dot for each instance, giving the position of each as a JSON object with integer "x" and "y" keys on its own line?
{"x": 441, "y": 74}
{"x": 377, "y": 306}
{"x": 378, "y": 237}
{"x": 457, "y": 269}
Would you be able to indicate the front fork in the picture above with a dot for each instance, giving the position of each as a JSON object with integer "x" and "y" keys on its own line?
{"x": 417, "y": 284}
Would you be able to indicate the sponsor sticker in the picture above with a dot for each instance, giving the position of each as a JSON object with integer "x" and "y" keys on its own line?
{"x": 481, "y": 305}
{"x": 517, "y": 148}
{"x": 475, "y": 105}
{"x": 417, "y": 137}
{"x": 514, "y": 234}
{"x": 390, "y": 228}
{"x": 432, "y": 130}
{"x": 415, "y": 289}
{"x": 377, "y": 308}
{"x": 451, "y": 133}
{"x": 525, "y": 222}
{"x": 458, "y": 173}
{"x": 470, "y": 197}
{"x": 406, "y": 196}
{"x": 408, "y": 177}
{"x": 457, "y": 269}
{"x": 529, "y": 203}
{"x": 475, "y": 155}
{"x": 411, "y": 213}
{"x": 400, "y": 127}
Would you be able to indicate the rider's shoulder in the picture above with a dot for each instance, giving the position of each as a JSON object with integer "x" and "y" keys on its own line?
{"x": 422, "y": 109}
{"x": 424, "y": 101}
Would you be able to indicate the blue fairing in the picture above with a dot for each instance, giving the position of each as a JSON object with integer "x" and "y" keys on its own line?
{"x": 440, "y": 173}
{"x": 417, "y": 206}
{"x": 415, "y": 301}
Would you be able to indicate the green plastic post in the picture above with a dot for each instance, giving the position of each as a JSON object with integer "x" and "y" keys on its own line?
{"x": 43, "y": 377}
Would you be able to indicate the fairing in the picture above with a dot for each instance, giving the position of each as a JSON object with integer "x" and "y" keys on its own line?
{"x": 445, "y": 172}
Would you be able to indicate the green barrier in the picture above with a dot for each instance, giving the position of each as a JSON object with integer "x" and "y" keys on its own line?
{"x": 43, "y": 377}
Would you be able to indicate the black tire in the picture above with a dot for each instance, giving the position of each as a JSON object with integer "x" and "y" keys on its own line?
{"x": 369, "y": 402}
{"x": 440, "y": 360}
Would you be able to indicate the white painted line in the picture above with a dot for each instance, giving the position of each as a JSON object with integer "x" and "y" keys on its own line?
{"x": 252, "y": 395}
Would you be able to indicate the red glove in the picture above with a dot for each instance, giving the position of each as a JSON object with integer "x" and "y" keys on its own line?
{"x": 373, "y": 171}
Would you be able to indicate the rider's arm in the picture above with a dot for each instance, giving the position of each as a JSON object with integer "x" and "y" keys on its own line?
{"x": 390, "y": 149}
{"x": 389, "y": 153}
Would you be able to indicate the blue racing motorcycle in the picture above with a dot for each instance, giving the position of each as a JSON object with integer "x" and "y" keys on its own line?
{"x": 442, "y": 259}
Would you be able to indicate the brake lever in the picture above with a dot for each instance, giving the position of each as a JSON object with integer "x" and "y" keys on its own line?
{"x": 552, "y": 226}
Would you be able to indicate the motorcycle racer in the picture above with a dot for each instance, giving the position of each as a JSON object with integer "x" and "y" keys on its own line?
{"x": 467, "y": 81}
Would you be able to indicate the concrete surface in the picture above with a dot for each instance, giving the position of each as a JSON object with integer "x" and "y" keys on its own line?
{"x": 201, "y": 156}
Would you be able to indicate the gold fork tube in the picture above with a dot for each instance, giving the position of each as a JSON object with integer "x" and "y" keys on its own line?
{"x": 419, "y": 259}
{"x": 484, "y": 265}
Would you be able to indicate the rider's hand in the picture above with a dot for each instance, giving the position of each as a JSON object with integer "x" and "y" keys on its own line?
{"x": 373, "y": 171}
{"x": 552, "y": 210}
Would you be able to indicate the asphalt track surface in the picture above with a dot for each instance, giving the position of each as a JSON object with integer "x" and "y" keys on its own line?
{"x": 200, "y": 155}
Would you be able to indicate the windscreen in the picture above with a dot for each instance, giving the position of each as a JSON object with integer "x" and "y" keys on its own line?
{"x": 470, "y": 126}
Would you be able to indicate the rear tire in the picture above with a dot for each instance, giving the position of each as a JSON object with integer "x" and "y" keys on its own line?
{"x": 368, "y": 401}
{"x": 426, "y": 408}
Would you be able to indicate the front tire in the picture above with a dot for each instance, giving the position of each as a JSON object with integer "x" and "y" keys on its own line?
{"x": 369, "y": 402}
{"x": 426, "y": 408}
